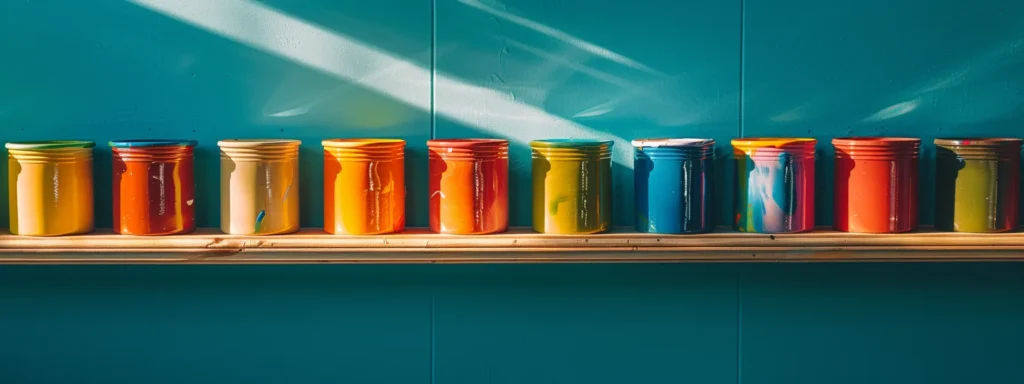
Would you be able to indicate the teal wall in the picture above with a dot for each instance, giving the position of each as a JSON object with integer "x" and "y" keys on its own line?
{"x": 604, "y": 323}
{"x": 523, "y": 69}
{"x": 520, "y": 70}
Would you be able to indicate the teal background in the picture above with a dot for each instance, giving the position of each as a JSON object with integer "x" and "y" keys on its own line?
{"x": 522, "y": 70}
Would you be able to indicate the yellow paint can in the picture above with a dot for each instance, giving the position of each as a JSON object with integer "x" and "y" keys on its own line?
{"x": 51, "y": 187}
{"x": 572, "y": 186}
{"x": 259, "y": 186}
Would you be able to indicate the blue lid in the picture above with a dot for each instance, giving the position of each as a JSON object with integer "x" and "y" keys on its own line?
{"x": 152, "y": 143}
{"x": 684, "y": 143}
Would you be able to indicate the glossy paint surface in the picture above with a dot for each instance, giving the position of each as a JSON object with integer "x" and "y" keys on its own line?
{"x": 674, "y": 183}
{"x": 51, "y": 188}
{"x": 876, "y": 183}
{"x": 977, "y": 184}
{"x": 364, "y": 186}
{"x": 259, "y": 187}
{"x": 154, "y": 188}
{"x": 571, "y": 186}
{"x": 775, "y": 185}
{"x": 468, "y": 186}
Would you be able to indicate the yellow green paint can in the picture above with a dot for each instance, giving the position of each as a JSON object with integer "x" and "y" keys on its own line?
{"x": 977, "y": 184}
{"x": 572, "y": 186}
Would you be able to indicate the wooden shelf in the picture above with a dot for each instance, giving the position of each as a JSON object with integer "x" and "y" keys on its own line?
{"x": 519, "y": 245}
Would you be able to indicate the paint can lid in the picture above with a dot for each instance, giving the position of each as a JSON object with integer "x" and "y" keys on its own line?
{"x": 466, "y": 143}
{"x": 778, "y": 142}
{"x": 362, "y": 143}
{"x": 256, "y": 143}
{"x": 569, "y": 143}
{"x": 152, "y": 143}
{"x": 978, "y": 141}
{"x": 672, "y": 142}
{"x": 53, "y": 144}
{"x": 876, "y": 141}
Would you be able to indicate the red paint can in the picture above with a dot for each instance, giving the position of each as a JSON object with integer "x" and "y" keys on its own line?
{"x": 468, "y": 186}
{"x": 154, "y": 187}
{"x": 876, "y": 184}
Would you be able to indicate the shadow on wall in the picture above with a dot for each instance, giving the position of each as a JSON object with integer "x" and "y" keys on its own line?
{"x": 138, "y": 74}
{"x": 537, "y": 110}
{"x": 953, "y": 71}
{"x": 311, "y": 70}
{"x": 354, "y": 61}
{"x": 639, "y": 80}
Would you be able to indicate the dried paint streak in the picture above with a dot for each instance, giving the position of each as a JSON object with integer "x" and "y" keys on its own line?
{"x": 259, "y": 220}
{"x": 775, "y": 195}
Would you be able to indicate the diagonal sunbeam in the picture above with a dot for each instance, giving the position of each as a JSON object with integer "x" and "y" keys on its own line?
{"x": 272, "y": 31}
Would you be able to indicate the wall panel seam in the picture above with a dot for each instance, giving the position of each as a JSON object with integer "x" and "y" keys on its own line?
{"x": 739, "y": 327}
{"x": 433, "y": 68}
{"x": 743, "y": 66}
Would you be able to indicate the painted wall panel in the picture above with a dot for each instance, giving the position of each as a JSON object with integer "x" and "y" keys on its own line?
{"x": 525, "y": 70}
{"x": 586, "y": 324}
{"x": 104, "y": 70}
{"x": 882, "y": 323}
{"x": 214, "y": 324}
{"x": 882, "y": 68}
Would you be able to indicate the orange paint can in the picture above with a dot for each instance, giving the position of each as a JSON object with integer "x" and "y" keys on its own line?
{"x": 154, "y": 187}
{"x": 468, "y": 186}
{"x": 876, "y": 184}
{"x": 364, "y": 186}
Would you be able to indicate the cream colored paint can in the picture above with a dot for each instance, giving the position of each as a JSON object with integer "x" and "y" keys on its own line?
{"x": 259, "y": 182}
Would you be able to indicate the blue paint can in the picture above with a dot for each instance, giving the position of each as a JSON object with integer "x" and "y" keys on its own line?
{"x": 674, "y": 181}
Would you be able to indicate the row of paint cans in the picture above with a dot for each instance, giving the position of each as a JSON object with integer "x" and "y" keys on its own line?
{"x": 876, "y": 186}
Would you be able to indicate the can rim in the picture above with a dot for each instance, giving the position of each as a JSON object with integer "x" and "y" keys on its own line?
{"x": 358, "y": 142}
{"x": 50, "y": 144}
{"x": 672, "y": 142}
{"x": 772, "y": 141}
{"x": 142, "y": 143}
{"x": 569, "y": 143}
{"x": 872, "y": 141}
{"x": 969, "y": 141}
{"x": 464, "y": 143}
{"x": 251, "y": 143}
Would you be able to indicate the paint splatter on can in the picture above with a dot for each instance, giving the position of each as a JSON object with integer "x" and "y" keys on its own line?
{"x": 154, "y": 187}
{"x": 876, "y": 182}
{"x": 468, "y": 186}
{"x": 674, "y": 185}
{"x": 364, "y": 186}
{"x": 259, "y": 182}
{"x": 775, "y": 179}
{"x": 572, "y": 190}
{"x": 51, "y": 187}
{"x": 977, "y": 184}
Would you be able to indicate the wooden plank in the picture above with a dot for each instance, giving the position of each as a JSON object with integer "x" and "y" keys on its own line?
{"x": 517, "y": 245}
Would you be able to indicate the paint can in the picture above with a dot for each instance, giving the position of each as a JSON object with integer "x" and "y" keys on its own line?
{"x": 775, "y": 180}
{"x": 875, "y": 184}
{"x": 154, "y": 187}
{"x": 468, "y": 186}
{"x": 364, "y": 186}
{"x": 572, "y": 186}
{"x": 259, "y": 186}
{"x": 977, "y": 184}
{"x": 674, "y": 185}
{"x": 51, "y": 187}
